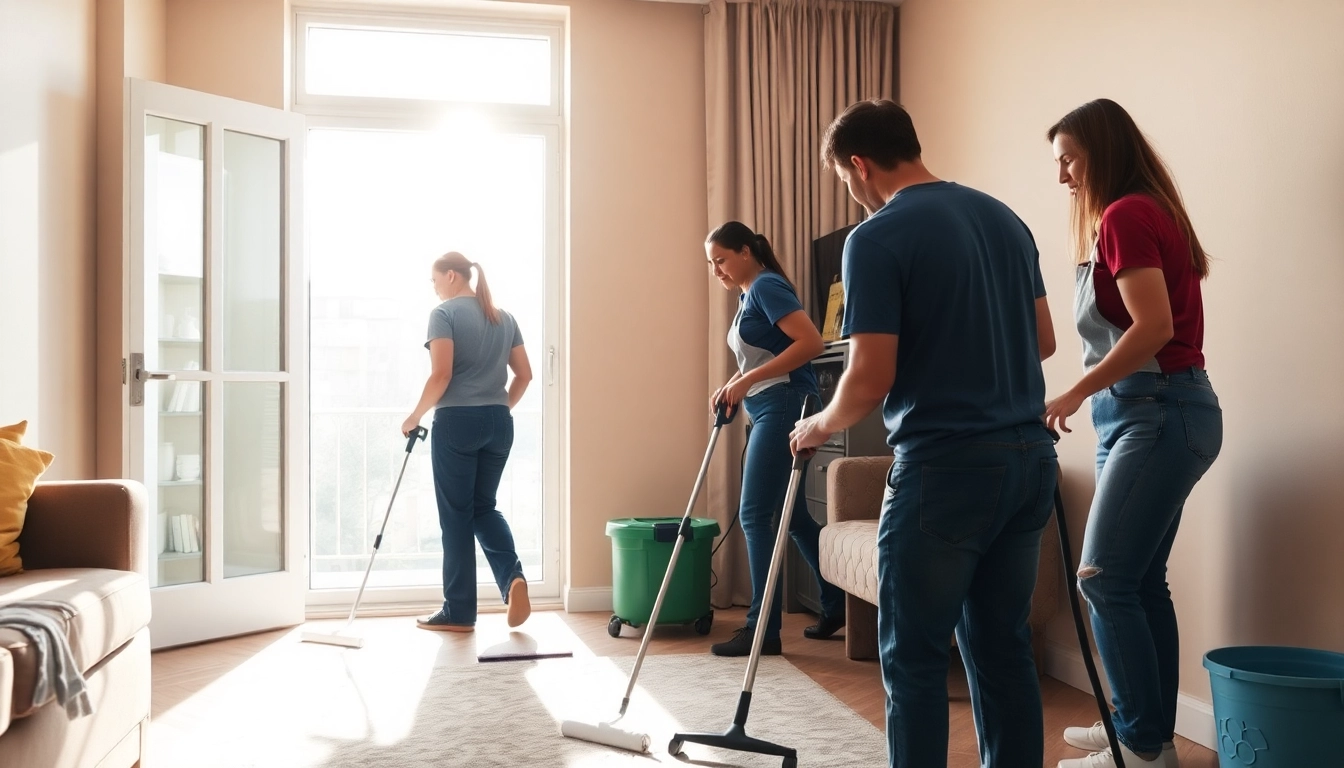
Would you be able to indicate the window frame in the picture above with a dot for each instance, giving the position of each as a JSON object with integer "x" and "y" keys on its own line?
{"x": 447, "y": 22}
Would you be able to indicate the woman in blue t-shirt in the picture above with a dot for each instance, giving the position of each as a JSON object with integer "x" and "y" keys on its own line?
{"x": 774, "y": 341}
{"x": 472, "y": 346}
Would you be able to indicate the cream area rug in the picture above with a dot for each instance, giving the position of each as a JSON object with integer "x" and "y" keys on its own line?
{"x": 296, "y": 705}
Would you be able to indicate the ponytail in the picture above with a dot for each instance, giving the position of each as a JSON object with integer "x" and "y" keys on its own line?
{"x": 735, "y": 236}
{"x": 456, "y": 262}
{"x": 483, "y": 296}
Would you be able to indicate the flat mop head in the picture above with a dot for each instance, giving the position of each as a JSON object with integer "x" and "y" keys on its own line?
{"x": 606, "y": 734}
{"x": 344, "y": 641}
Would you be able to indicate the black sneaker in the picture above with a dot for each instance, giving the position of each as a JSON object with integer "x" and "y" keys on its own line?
{"x": 827, "y": 626}
{"x": 740, "y": 645}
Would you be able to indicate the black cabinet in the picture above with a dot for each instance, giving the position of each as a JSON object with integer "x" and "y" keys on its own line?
{"x": 867, "y": 438}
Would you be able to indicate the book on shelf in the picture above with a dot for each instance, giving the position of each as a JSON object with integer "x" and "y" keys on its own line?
{"x": 835, "y": 312}
{"x": 184, "y": 534}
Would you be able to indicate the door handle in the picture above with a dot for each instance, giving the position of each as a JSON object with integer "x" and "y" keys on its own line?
{"x": 550, "y": 365}
{"x": 139, "y": 376}
{"x": 143, "y": 375}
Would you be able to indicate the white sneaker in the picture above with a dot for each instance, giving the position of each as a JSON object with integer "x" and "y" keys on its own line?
{"x": 1093, "y": 739}
{"x": 1167, "y": 759}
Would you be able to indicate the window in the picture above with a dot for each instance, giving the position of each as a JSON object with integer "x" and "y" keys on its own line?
{"x": 426, "y": 134}
{"x": 434, "y": 65}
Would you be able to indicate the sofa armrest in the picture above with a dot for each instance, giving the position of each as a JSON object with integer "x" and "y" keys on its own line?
{"x": 86, "y": 524}
{"x": 6, "y": 688}
{"x": 854, "y": 487}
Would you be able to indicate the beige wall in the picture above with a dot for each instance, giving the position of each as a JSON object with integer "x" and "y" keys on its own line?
{"x": 248, "y": 35}
{"x": 130, "y": 43}
{"x": 638, "y": 298}
{"x": 637, "y": 206}
{"x": 46, "y": 227}
{"x": 1244, "y": 101}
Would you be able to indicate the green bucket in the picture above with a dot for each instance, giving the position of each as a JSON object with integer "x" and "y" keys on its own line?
{"x": 640, "y": 550}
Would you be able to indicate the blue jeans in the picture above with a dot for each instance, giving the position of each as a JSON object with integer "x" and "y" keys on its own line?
{"x": 470, "y": 446}
{"x": 765, "y": 482}
{"x": 957, "y": 549}
{"x": 1157, "y": 435}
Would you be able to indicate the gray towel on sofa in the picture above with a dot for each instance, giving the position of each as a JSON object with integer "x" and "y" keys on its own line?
{"x": 56, "y": 667}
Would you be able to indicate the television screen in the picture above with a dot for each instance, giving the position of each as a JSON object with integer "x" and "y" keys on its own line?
{"x": 827, "y": 251}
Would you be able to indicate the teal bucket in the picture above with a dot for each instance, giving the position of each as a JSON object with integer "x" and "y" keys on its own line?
{"x": 1277, "y": 707}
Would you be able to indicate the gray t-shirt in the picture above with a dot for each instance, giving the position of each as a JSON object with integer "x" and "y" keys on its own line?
{"x": 480, "y": 351}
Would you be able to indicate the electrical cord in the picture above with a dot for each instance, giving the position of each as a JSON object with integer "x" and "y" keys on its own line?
{"x": 742, "y": 468}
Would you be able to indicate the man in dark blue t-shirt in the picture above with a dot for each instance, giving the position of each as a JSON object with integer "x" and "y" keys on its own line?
{"x": 948, "y": 323}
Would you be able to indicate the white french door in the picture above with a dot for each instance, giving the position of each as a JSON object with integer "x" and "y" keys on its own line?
{"x": 217, "y": 376}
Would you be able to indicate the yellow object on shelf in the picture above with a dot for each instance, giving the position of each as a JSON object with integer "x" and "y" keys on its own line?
{"x": 835, "y": 312}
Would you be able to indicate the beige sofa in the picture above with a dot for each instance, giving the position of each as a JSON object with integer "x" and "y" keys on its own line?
{"x": 854, "y": 489}
{"x": 82, "y": 543}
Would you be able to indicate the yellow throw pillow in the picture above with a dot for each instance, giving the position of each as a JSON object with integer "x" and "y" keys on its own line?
{"x": 20, "y": 467}
{"x": 14, "y": 432}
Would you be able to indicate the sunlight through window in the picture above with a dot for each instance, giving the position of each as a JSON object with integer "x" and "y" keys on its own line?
{"x": 438, "y": 66}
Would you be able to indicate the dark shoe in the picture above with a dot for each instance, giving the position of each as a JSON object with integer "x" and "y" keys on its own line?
{"x": 740, "y": 645}
{"x": 439, "y": 623}
{"x": 827, "y": 626}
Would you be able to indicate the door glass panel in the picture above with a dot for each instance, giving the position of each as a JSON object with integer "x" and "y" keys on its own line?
{"x": 253, "y": 214}
{"x": 174, "y": 235}
{"x": 178, "y": 533}
{"x": 382, "y": 205}
{"x": 253, "y": 482}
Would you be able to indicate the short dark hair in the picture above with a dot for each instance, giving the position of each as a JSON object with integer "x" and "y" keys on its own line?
{"x": 879, "y": 130}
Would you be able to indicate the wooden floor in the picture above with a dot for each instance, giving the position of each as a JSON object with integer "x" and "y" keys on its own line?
{"x": 181, "y": 673}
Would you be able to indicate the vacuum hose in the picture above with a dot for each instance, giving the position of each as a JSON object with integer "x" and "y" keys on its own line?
{"x": 1071, "y": 575}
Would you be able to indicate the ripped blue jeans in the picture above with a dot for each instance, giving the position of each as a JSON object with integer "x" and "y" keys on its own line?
{"x": 1157, "y": 434}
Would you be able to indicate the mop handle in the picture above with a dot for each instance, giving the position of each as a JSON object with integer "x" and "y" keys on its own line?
{"x": 785, "y": 517}
{"x": 1071, "y": 576}
{"x": 722, "y": 415}
{"x": 418, "y": 433}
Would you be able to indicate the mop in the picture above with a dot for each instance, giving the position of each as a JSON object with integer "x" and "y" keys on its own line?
{"x": 350, "y": 641}
{"x": 736, "y": 738}
{"x": 606, "y": 732}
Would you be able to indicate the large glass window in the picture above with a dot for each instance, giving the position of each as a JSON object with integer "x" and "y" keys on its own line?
{"x": 390, "y": 187}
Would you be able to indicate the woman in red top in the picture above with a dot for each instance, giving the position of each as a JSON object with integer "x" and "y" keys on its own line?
{"x": 1159, "y": 427}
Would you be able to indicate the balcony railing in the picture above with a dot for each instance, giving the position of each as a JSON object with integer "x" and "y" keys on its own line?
{"x": 356, "y": 454}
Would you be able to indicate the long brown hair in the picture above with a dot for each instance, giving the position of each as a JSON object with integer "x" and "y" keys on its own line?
{"x": 1120, "y": 161}
{"x": 735, "y": 236}
{"x": 456, "y": 262}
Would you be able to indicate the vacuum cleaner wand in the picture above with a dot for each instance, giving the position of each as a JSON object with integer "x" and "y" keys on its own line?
{"x": 736, "y": 738}
{"x": 606, "y": 733}
{"x": 336, "y": 638}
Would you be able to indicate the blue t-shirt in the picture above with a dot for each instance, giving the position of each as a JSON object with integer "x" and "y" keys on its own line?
{"x": 480, "y": 351}
{"x": 955, "y": 273}
{"x": 756, "y": 340}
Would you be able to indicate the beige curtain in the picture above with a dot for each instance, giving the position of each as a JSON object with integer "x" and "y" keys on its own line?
{"x": 776, "y": 74}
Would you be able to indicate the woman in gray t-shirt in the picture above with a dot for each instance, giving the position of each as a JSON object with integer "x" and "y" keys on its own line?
{"x": 472, "y": 345}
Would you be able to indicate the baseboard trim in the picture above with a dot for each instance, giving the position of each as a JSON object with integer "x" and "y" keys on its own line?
{"x": 588, "y": 599}
{"x": 1194, "y": 718}
{"x": 1194, "y": 721}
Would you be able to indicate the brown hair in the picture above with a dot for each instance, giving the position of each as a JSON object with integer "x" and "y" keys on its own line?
{"x": 456, "y": 262}
{"x": 1120, "y": 161}
{"x": 735, "y": 236}
{"x": 879, "y": 130}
